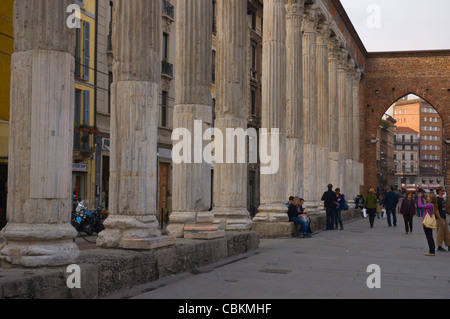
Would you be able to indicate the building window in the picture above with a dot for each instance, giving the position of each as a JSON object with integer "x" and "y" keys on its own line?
{"x": 164, "y": 108}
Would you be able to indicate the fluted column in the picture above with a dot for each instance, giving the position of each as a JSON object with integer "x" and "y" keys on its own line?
{"x": 333, "y": 48}
{"x": 230, "y": 178}
{"x": 358, "y": 166}
{"x": 311, "y": 115}
{"x": 342, "y": 131}
{"x": 350, "y": 186}
{"x": 134, "y": 127}
{"x": 294, "y": 95}
{"x": 273, "y": 180}
{"x": 193, "y": 115}
{"x": 323, "y": 155}
{"x": 39, "y": 232}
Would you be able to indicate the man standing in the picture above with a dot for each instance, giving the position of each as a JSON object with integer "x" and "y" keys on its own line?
{"x": 330, "y": 201}
{"x": 443, "y": 232}
{"x": 390, "y": 204}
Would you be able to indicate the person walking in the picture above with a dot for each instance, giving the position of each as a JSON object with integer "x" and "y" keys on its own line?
{"x": 408, "y": 210}
{"x": 330, "y": 200}
{"x": 342, "y": 204}
{"x": 390, "y": 204}
{"x": 430, "y": 209}
{"x": 371, "y": 206}
{"x": 443, "y": 232}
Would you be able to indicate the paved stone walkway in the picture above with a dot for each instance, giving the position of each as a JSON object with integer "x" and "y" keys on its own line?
{"x": 330, "y": 265}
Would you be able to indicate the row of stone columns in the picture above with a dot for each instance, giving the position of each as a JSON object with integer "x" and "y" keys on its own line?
{"x": 309, "y": 95}
{"x": 321, "y": 107}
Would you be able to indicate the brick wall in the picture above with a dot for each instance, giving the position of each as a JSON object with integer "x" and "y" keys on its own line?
{"x": 387, "y": 78}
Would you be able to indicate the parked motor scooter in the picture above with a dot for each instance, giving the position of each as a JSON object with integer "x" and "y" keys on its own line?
{"x": 88, "y": 222}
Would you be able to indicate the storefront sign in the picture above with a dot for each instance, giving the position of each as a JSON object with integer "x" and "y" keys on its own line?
{"x": 81, "y": 168}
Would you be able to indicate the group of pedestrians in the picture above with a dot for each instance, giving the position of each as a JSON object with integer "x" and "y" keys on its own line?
{"x": 429, "y": 207}
{"x": 334, "y": 202}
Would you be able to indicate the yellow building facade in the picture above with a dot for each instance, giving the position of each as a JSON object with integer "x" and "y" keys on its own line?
{"x": 6, "y": 50}
{"x": 83, "y": 168}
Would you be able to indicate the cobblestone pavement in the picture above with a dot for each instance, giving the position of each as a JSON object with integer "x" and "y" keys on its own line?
{"x": 331, "y": 264}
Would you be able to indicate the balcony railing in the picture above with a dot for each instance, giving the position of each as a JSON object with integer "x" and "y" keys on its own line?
{"x": 167, "y": 68}
{"x": 168, "y": 9}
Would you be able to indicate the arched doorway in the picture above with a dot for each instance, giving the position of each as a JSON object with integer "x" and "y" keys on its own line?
{"x": 410, "y": 147}
{"x": 390, "y": 76}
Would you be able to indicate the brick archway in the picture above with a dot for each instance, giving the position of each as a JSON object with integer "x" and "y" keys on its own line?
{"x": 387, "y": 78}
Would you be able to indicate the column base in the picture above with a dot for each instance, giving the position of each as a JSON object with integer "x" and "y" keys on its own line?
{"x": 232, "y": 219}
{"x": 148, "y": 243}
{"x": 202, "y": 231}
{"x": 120, "y": 228}
{"x": 39, "y": 245}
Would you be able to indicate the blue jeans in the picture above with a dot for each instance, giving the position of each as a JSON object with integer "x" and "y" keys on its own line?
{"x": 331, "y": 216}
{"x": 339, "y": 218}
{"x": 393, "y": 212}
{"x": 303, "y": 224}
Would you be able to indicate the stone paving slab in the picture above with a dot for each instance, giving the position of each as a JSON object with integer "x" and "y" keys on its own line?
{"x": 331, "y": 265}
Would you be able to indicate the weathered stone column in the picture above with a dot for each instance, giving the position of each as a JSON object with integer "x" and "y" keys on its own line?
{"x": 134, "y": 123}
{"x": 342, "y": 132}
{"x": 230, "y": 177}
{"x": 39, "y": 232}
{"x": 294, "y": 109}
{"x": 333, "y": 48}
{"x": 193, "y": 115}
{"x": 311, "y": 114}
{"x": 323, "y": 155}
{"x": 358, "y": 166}
{"x": 273, "y": 180}
{"x": 350, "y": 182}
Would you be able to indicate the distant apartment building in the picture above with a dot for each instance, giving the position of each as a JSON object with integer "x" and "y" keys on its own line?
{"x": 421, "y": 117}
{"x": 406, "y": 158}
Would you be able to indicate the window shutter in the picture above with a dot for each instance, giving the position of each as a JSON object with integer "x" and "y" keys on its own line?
{"x": 86, "y": 50}
{"x": 86, "y": 107}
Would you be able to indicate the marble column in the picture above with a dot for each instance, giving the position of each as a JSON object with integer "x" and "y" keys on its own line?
{"x": 273, "y": 180}
{"x": 311, "y": 114}
{"x": 358, "y": 166}
{"x": 39, "y": 233}
{"x": 342, "y": 132}
{"x": 231, "y": 177}
{"x": 134, "y": 127}
{"x": 294, "y": 95}
{"x": 349, "y": 120}
{"x": 323, "y": 155}
{"x": 192, "y": 114}
{"x": 333, "y": 48}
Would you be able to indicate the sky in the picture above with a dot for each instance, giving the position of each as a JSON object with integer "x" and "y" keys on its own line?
{"x": 401, "y": 25}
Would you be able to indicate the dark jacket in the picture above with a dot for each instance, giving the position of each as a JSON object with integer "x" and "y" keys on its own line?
{"x": 329, "y": 198}
{"x": 390, "y": 200}
{"x": 404, "y": 208}
{"x": 292, "y": 211}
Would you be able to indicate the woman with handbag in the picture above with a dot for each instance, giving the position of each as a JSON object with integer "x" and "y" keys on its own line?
{"x": 429, "y": 220}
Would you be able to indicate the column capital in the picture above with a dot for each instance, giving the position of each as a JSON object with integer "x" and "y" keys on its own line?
{"x": 334, "y": 46}
{"x": 294, "y": 7}
{"x": 323, "y": 33}
{"x": 342, "y": 56}
{"x": 310, "y": 19}
{"x": 357, "y": 74}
